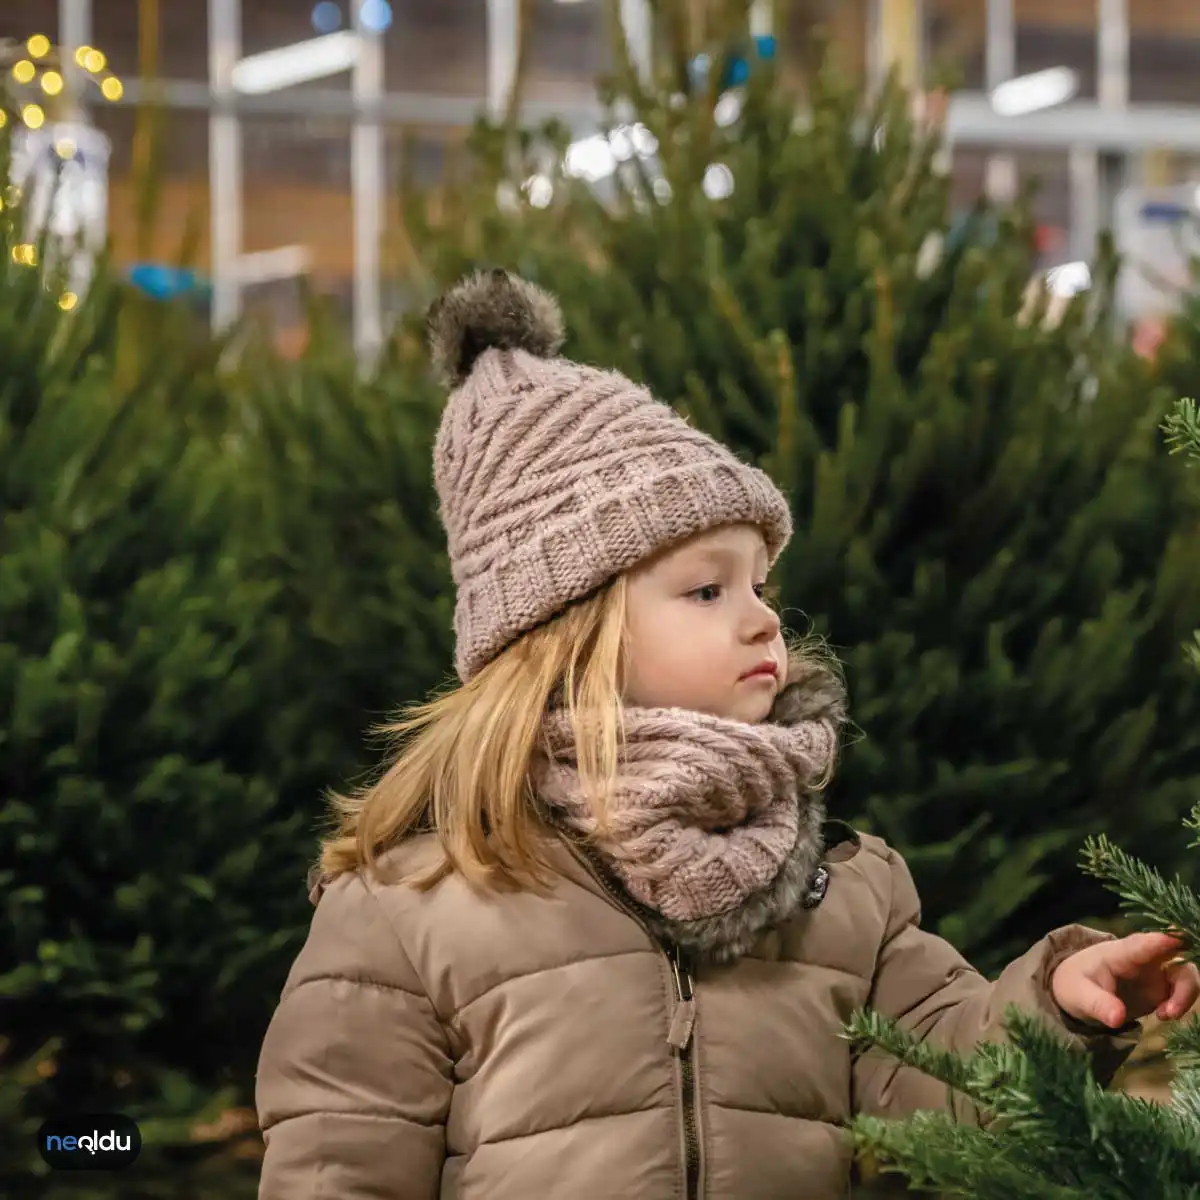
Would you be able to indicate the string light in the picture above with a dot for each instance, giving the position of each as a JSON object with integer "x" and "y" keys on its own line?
{"x": 67, "y": 301}
{"x": 65, "y": 148}
{"x": 3, "y": 118}
{"x": 49, "y": 75}
{"x": 25, "y": 254}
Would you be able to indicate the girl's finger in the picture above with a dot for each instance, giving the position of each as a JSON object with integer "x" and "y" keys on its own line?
{"x": 1185, "y": 990}
{"x": 1094, "y": 1003}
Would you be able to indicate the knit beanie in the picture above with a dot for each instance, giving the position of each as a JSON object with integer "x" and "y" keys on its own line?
{"x": 554, "y": 477}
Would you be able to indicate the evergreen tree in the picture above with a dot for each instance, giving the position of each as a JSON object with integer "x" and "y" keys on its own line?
{"x": 143, "y": 857}
{"x": 1051, "y": 1131}
{"x": 982, "y": 529}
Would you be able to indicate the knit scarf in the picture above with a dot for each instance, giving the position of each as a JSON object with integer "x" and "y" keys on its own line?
{"x": 713, "y": 827}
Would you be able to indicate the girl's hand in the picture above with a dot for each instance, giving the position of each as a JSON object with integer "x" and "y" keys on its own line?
{"x": 1115, "y": 982}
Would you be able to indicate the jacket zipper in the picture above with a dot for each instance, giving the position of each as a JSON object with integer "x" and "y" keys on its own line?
{"x": 680, "y": 1038}
{"x": 683, "y": 1020}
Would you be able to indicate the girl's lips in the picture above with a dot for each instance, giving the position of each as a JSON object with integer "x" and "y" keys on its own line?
{"x": 763, "y": 671}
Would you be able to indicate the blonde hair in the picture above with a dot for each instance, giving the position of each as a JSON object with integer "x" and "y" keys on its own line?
{"x": 462, "y": 760}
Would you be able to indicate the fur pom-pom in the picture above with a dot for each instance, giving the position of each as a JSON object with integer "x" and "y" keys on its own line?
{"x": 486, "y": 309}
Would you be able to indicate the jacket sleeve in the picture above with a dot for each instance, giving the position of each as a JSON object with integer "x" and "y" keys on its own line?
{"x": 354, "y": 1076}
{"x": 924, "y": 984}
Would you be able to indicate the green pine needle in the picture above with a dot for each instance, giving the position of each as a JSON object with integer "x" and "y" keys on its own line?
{"x": 1170, "y": 907}
{"x": 1182, "y": 429}
{"x": 1183, "y": 1044}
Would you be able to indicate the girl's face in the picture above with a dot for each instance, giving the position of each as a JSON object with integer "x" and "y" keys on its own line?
{"x": 698, "y": 626}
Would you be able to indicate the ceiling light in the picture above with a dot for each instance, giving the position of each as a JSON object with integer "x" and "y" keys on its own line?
{"x": 298, "y": 63}
{"x": 1031, "y": 93}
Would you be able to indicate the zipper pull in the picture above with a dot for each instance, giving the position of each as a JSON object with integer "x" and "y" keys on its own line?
{"x": 684, "y": 1018}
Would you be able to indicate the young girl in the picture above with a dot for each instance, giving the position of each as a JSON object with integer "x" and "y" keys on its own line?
{"x": 591, "y": 935}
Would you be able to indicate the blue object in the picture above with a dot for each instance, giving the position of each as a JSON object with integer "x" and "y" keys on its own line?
{"x": 1164, "y": 210}
{"x": 326, "y": 17}
{"x": 163, "y": 282}
{"x": 738, "y": 72}
{"x": 737, "y": 67}
{"x": 375, "y": 15}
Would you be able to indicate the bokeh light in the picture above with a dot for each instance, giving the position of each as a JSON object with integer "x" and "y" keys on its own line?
{"x": 327, "y": 17}
{"x": 375, "y": 15}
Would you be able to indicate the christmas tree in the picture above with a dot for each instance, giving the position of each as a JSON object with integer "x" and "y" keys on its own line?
{"x": 983, "y": 530}
{"x": 1048, "y": 1129}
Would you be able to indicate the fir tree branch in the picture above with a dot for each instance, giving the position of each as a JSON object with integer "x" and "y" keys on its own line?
{"x": 1182, "y": 429}
{"x": 1183, "y": 1043}
{"x": 1170, "y": 907}
{"x": 934, "y": 1151}
{"x": 977, "y": 1077}
{"x": 1191, "y": 650}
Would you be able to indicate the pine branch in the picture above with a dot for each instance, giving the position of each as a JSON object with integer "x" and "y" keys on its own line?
{"x": 1183, "y": 1044}
{"x": 934, "y": 1151}
{"x": 1182, "y": 429}
{"x": 1170, "y": 907}
{"x": 978, "y": 1077}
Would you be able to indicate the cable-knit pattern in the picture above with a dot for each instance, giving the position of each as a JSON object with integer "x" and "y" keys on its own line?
{"x": 554, "y": 477}
{"x": 705, "y": 811}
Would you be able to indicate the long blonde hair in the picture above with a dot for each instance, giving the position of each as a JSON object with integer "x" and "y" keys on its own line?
{"x": 462, "y": 759}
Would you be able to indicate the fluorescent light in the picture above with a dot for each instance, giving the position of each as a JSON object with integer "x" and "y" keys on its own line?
{"x": 1030, "y": 93}
{"x": 297, "y": 63}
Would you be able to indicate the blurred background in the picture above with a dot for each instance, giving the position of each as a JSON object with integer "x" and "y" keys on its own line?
{"x": 288, "y": 124}
{"x": 221, "y": 560}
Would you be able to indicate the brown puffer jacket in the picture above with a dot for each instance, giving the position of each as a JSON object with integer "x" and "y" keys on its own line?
{"x": 516, "y": 1046}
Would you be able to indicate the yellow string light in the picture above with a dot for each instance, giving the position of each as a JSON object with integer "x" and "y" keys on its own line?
{"x": 38, "y": 45}
{"x": 25, "y": 255}
{"x": 65, "y": 148}
{"x": 95, "y": 61}
{"x": 3, "y": 118}
{"x": 112, "y": 88}
{"x": 67, "y": 301}
{"x": 81, "y": 55}
{"x": 52, "y": 83}
{"x": 24, "y": 71}
{"x": 33, "y": 116}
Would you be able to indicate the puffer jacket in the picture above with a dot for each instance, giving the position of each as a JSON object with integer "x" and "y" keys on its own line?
{"x": 516, "y": 1046}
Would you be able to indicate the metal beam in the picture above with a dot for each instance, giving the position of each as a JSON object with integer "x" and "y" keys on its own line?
{"x": 970, "y": 118}
{"x": 1001, "y": 66}
{"x": 224, "y": 160}
{"x": 74, "y": 30}
{"x": 368, "y": 190}
{"x": 636, "y": 26}
{"x": 503, "y": 44}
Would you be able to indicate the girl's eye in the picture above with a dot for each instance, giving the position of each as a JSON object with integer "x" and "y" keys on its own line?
{"x": 706, "y": 593}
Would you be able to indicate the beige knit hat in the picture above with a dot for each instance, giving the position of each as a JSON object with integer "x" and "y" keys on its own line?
{"x": 554, "y": 477}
